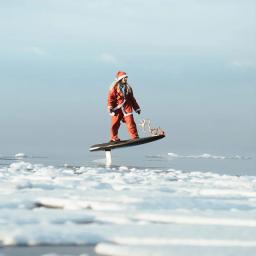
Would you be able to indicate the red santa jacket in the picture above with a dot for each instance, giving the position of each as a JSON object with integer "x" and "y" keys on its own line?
{"x": 118, "y": 101}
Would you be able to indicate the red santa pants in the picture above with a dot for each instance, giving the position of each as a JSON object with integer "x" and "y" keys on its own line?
{"x": 130, "y": 124}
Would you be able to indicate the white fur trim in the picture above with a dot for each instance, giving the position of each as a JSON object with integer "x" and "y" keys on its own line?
{"x": 119, "y": 106}
{"x": 112, "y": 85}
{"x": 127, "y": 114}
{"x": 121, "y": 77}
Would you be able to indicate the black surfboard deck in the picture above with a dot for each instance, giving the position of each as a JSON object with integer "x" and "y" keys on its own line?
{"x": 125, "y": 143}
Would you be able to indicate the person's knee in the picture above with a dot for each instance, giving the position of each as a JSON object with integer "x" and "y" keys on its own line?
{"x": 116, "y": 124}
{"x": 131, "y": 126}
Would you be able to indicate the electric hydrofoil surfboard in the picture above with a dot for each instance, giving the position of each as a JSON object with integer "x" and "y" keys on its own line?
{"x": 125, "y": 143}
{"x": 155, "y": 134}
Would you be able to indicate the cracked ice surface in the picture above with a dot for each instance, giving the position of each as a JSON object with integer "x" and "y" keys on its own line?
{"x": 128, "y": 211}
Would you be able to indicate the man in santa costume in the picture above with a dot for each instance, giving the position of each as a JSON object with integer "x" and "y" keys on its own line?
{"x": 121, "y": 103}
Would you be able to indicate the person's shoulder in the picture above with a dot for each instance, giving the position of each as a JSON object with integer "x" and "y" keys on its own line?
{"x": 112, "y": 86}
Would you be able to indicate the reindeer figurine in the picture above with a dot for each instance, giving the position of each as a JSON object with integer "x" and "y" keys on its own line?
{"x": 152, "y": 131}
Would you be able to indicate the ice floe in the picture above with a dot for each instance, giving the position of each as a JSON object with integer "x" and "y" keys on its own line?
{"x": 128, "y": 211}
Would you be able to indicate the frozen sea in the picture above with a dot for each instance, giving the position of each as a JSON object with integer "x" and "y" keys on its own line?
{"x": 144, "y": 204}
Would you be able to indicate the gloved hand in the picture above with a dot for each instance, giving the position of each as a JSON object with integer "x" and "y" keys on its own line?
{"x": 112, "y": 112}
{"x": 138, "y": 111}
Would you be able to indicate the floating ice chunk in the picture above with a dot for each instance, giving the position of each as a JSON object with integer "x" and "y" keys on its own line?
{"x": 20, "y": 156}
{"x": 173, "y": 155}
{"x": 205, "y": 156}
{"x": 20, "y": 166}
{"x": 123, "y": 168}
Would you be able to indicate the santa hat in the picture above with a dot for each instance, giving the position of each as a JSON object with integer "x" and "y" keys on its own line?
{"x": 120, "y": 75}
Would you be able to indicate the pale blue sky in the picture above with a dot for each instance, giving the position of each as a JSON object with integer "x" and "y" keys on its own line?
{"x": 192, "y": 65}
